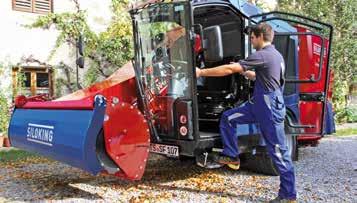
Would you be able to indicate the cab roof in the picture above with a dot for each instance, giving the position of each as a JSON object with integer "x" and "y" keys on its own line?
{"x": 245, "y": 8}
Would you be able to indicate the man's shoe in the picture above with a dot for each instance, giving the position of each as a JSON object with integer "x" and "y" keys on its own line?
{"x": 280, "y": 200}
{"x": 231, "y": 162}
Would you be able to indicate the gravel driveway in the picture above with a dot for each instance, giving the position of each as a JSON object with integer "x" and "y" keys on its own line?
{"x": 326, "y": 173}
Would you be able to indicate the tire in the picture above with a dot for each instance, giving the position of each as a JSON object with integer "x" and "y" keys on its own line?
{"x": 186, "y": 158}
{"x": 261, "y": 162}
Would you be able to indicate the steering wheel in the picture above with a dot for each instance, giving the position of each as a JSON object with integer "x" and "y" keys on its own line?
{"x": 166, "y": 69}
{"x": 175, "y": 66}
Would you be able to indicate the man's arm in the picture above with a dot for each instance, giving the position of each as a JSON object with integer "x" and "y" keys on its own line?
{"x": 220, "y": 70}
{"x": 254, "y": 61}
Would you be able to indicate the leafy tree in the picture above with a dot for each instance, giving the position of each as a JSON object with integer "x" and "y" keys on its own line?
{"x": 342, "y": 15}
{"x": 106, "y": 51}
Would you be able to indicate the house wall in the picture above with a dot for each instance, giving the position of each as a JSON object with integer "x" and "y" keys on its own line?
{"x": 17, "y": 42}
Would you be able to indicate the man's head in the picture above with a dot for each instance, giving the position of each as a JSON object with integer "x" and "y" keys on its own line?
{"x": 261, "y": 35}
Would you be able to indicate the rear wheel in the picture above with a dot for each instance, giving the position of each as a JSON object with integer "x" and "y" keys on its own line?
{"x": 260, "y": 160}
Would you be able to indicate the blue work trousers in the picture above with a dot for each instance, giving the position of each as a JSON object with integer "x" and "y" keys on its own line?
{"x": 268, "y": 110}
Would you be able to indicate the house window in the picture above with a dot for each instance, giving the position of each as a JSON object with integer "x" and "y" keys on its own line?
{"x": 35, "y": 80}
{"x": 42, "y": 80}
{"x": 27, "y": 79}
{"x": 33, "y": 6}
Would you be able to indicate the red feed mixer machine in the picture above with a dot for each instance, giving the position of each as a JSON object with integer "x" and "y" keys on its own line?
{"x": 157, "y": 104}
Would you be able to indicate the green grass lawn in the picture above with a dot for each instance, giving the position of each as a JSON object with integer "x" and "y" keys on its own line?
{"x": 346, "y": 132}
{"x": 14, "y": 155}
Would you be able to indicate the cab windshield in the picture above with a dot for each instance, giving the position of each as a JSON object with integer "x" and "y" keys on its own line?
{"x": 165, "y": 58}
{"x": 163, "y": 49}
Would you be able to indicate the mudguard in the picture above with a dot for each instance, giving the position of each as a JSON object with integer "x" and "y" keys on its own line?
{"x": 66, "y": 135}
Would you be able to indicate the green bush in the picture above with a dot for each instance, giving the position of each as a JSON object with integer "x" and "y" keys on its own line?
{"x": 351, "y": 114}
{"x": 348, "y": 114}
{"x": 4, "y": 113}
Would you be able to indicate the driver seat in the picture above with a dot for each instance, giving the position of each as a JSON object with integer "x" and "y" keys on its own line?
{"x": 215, "y": 94}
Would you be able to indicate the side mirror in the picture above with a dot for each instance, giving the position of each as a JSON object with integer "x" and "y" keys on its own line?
{"x": 80, "y": 49}
{"x": 213, "y": 44}
{"x": 80, "y": 45}
{"x": 80, "y": 62}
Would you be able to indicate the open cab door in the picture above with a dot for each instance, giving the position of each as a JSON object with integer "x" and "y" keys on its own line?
{"x": 305, "y": 44}
{"x": 164, "y": 71}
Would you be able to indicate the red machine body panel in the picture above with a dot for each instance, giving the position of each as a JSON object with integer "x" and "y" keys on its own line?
{"x": 75, "y": 104}
{"x": 127, "y": 139}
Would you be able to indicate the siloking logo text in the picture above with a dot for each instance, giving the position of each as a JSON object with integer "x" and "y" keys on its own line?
{"x": 41, "y": 134}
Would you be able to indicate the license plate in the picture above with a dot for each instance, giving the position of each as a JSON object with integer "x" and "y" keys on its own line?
{"x": 165, "y": 149}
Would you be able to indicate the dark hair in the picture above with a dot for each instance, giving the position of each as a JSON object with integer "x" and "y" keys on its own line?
{"x": 265, "y": 29}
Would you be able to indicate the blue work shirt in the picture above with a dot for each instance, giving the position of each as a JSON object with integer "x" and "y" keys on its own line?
{"x": 269, "y": 68}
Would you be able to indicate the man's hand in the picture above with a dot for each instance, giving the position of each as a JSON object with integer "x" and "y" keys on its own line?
{"x": 249, "y": 74}
{"x": 198, "y": 72}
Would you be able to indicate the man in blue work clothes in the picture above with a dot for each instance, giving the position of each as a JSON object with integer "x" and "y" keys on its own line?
{"x": 267, "y": 108}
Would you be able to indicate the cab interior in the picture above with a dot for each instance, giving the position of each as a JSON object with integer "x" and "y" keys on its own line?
{"x": 223, "y": 42}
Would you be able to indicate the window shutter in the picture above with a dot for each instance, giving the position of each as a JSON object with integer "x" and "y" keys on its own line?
{"x": 42, "y": 6}
{"x": 22, "y": 5}
{"x": 33, "y": 6}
